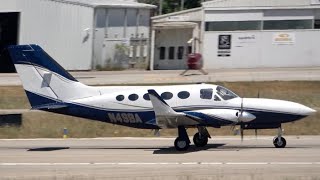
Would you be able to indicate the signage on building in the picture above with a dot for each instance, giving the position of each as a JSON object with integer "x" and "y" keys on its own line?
{"x": 224, "y": 45}
{"x": 315, "y": 2}
{"x": 178, "y": 18}
{"x": 283, "y": 38}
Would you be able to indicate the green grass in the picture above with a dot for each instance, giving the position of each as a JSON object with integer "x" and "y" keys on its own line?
{"x": 49, "y": 125}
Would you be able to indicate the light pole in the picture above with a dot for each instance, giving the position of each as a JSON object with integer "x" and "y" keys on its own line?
{"x": 181, "y": 5}
{"x": 160, "y": 7}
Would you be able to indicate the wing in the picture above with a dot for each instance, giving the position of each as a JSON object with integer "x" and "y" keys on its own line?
{"x": 166, "y": 117}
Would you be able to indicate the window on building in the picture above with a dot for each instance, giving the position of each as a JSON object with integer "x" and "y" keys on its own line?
{"x": 120, "y": 98}
{"x": 183, "y": 94}
{"x": 317, "y": 23}
{"x": 144, "y": 17}
{"x": 133, "y": 97}
{"x": 233, "y": 25}
{"x": 162, "y": 53}
{"x": 180, "y": 52}
{"x": 146, "y": 97}
{"x": 166, "y": 95}
{"x": 171, "y": 52}
{"x": 206, "y": 93}
{"x": 131, "y": 17}
{"x": 189, "y": 49}
{"x": 287, "y": 24}
{"x": 116, "y": 17}
{"x": 101, "y": 18}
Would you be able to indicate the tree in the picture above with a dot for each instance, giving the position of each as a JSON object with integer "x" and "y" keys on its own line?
{"x": 169, "y": 6}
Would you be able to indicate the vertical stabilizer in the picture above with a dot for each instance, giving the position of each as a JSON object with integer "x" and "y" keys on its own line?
{"x": 43, "y": 79}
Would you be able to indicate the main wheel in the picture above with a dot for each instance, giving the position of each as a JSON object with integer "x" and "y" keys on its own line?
{"x": 279, "y": 143}
{"x": 181, "y": 144}
{"x": 200, "y": 140}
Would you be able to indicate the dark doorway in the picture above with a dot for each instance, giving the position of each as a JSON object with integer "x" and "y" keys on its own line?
{"x": 9, "y": 23}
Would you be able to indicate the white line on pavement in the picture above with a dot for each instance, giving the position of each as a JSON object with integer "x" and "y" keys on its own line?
{"x": 160, "y": 163}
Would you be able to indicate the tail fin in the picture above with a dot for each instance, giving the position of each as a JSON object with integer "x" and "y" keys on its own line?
{"x": 43, "y": 79}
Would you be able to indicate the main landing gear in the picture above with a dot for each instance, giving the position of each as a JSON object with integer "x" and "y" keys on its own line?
{"x": 279, "y": 141}
{"x": 200, "y": 139}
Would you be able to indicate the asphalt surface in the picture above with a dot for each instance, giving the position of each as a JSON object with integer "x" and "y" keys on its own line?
{"x": 173, "y": 76}
{"x": 156, "y": 158}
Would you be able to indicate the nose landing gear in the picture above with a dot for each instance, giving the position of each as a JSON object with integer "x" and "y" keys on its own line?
{"x": 279, "y": 141}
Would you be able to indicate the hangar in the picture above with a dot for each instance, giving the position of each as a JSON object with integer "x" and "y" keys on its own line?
{"x": 79, "y": 34}
{"x": 239, "y": 34}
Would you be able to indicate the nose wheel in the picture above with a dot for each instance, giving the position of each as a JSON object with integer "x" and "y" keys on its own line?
{"x": 279, "y": 141}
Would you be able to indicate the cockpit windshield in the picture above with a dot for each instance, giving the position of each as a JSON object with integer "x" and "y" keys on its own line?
{"x": 225, "y": 93}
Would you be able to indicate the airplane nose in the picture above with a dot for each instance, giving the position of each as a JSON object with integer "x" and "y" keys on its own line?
{"x": 307, "y": 111}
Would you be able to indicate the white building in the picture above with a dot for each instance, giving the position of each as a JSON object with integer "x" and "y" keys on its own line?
{"x": 80, "y": 34}
{"x": 239, "y": 34}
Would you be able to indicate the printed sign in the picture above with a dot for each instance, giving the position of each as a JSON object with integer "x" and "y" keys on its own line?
{"x": 224, "y": 45}
{"x": 178, "y": 18}
{"x": 283, "y": 38}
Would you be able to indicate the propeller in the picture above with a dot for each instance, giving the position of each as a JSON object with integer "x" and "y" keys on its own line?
{"x": 239, "y": 115}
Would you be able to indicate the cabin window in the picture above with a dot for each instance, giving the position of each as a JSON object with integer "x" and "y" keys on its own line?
{"x": 166, "y": 95}
{"x": 183, "y": 94}
{"x": 146, "y": 97}
{"x": 133, "y": 97}
{"x": 206, "y": 93}
{"x": 120, "y": 98}
{"x": 216, "y": 98}
{"x": 225, "y": 94}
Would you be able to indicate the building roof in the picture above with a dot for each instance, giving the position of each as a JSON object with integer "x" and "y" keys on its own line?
{"x": 258, "y": 3}
{"x": 109, "y": 3}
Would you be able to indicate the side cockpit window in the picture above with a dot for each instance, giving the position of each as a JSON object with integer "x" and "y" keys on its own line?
{"x": 225, "y": 93}
{"x": 206, "y": 93}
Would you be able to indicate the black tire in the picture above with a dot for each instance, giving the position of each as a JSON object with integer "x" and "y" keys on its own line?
{"x": 279, "y": 144}
{"x": 181, "y": 144}
{"x": 200, "y": 142}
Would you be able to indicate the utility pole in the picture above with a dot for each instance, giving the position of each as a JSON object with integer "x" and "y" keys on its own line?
{"x": 160, "y": 7}
{"x": 181, "y": 5}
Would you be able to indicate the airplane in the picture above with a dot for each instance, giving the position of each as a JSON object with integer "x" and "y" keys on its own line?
{"x": 51, "y": 88}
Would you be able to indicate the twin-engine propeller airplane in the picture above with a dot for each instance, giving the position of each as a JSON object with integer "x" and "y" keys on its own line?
{"x": 51, "y": 88}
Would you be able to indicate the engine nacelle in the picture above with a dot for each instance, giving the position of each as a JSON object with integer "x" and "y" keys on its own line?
{"x": 229, "y": 114}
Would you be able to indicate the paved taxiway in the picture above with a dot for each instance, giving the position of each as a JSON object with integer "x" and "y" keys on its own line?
{"x": 155, "y": 158}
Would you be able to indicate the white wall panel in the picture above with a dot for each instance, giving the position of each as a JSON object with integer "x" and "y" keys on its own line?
{"x": 233, "y": 15}
{"x": 262, "y": 52}
{"x": 63, "y": 30}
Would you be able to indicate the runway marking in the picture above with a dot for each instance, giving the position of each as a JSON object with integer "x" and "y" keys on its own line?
{"x": 159, "y": 163}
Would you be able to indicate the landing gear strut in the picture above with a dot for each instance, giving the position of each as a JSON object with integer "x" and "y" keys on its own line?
{"x": 200, "y": 139}
{"x": 279, "y": 141}
{"x": 182, "y": 142}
